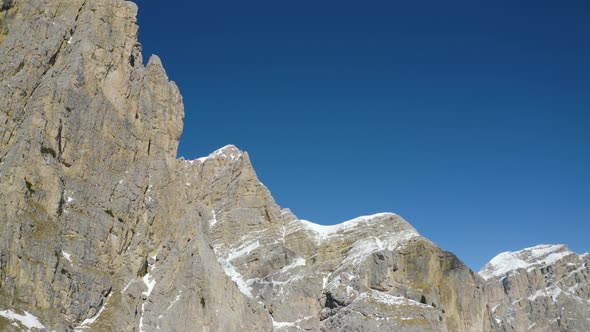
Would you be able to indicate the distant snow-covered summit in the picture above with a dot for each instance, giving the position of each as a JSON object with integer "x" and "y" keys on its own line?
{"x": 541, "y": 255}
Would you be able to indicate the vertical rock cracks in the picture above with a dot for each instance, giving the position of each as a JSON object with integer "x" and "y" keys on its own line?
{"x": 103, "y": 228}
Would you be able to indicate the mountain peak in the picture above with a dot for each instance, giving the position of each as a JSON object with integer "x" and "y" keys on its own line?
{"x": 540, "y": 255}
{"x": 325, "y": 232}
{"x": 103, "y": 229}
{"x": 227, "y": 152}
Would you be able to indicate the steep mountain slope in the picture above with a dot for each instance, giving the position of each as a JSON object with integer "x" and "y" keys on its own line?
{"x": 89, "y": 183}
{"x": 543, "y": 288}
{"x": 103, "y": 229}
{"x": 370, "y": 273}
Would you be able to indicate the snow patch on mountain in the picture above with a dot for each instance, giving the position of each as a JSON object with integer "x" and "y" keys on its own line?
{"x": 326, "y": 232}
{"x": 365, "y": 247}
{"x": 552, "y": 292}
{"x": 226, "y": 152}
{"x": 67, "y": 256}
{"x": 89, "y": 321}
{"x": 286, "y": 325}
{"x": 388, "y": 299}
{"x": 28, "y": 320}
{"x": 243, "y": 250}
{"x": 541, "y": 255}
{"x": 233, "y": 274}
{"x": 150, "y": 282}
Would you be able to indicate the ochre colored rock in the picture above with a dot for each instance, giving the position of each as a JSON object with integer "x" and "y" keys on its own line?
{"x": 102, "y": 228}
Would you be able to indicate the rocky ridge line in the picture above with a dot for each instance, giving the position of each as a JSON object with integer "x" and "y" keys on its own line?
{"x": 103, "y": 229}
{"x": 542, "y": 288}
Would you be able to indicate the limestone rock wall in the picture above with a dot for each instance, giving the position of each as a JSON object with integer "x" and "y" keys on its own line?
{"x": 373, "y": 273}
{"x": 103, "y": 229}
{"x": 544, "y": 288}
{"x": 89, "y": 179}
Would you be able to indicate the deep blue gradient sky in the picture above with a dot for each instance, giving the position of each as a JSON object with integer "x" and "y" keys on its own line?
{"x": 471, "y": 119}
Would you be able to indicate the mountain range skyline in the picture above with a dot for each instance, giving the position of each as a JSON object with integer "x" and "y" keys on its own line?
{"x": 469, "y": 120}
{"x": 116, "y": 215}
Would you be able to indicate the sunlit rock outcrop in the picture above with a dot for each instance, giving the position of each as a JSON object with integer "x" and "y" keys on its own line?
{"x": 102, "y": 228}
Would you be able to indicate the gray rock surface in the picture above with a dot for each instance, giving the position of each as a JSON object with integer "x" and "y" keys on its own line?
{"x": 103, "y": 229}
{"x": 543, "y": 288}
{"x": 90, "y": 184}
{"x": 371, "y": 273}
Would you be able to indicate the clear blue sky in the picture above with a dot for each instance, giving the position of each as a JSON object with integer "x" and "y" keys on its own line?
{"x": 471, "y": 119}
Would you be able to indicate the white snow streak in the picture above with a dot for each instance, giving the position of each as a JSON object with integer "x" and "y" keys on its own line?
{"x": 243, "y": 250}
{"x": 178, "y": 296}
{"x": 297, "y": 262}
{"x": 67, "y": 256}
{"x": 150, "y": 281}
{"x": 326, "y": 232}
{"x": 226, "y": 152}
{"x": 127, "y": 286}
{"x": 29, "y": 320}
{"x": 88, "y": 321}
{"x": 213, "y": 221}
{"x": 281, "y": 325}
{"x": 366, "y": 247}
{"x": 388, "y": 299}
{"x": 234, "y": 275}
{"x": 552, "y": 292}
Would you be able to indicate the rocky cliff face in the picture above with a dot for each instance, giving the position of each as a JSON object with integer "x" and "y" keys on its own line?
{"x": 103, "y": 229}
{"x": 544, "y": 288}
{"x": 96, "y": 221}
